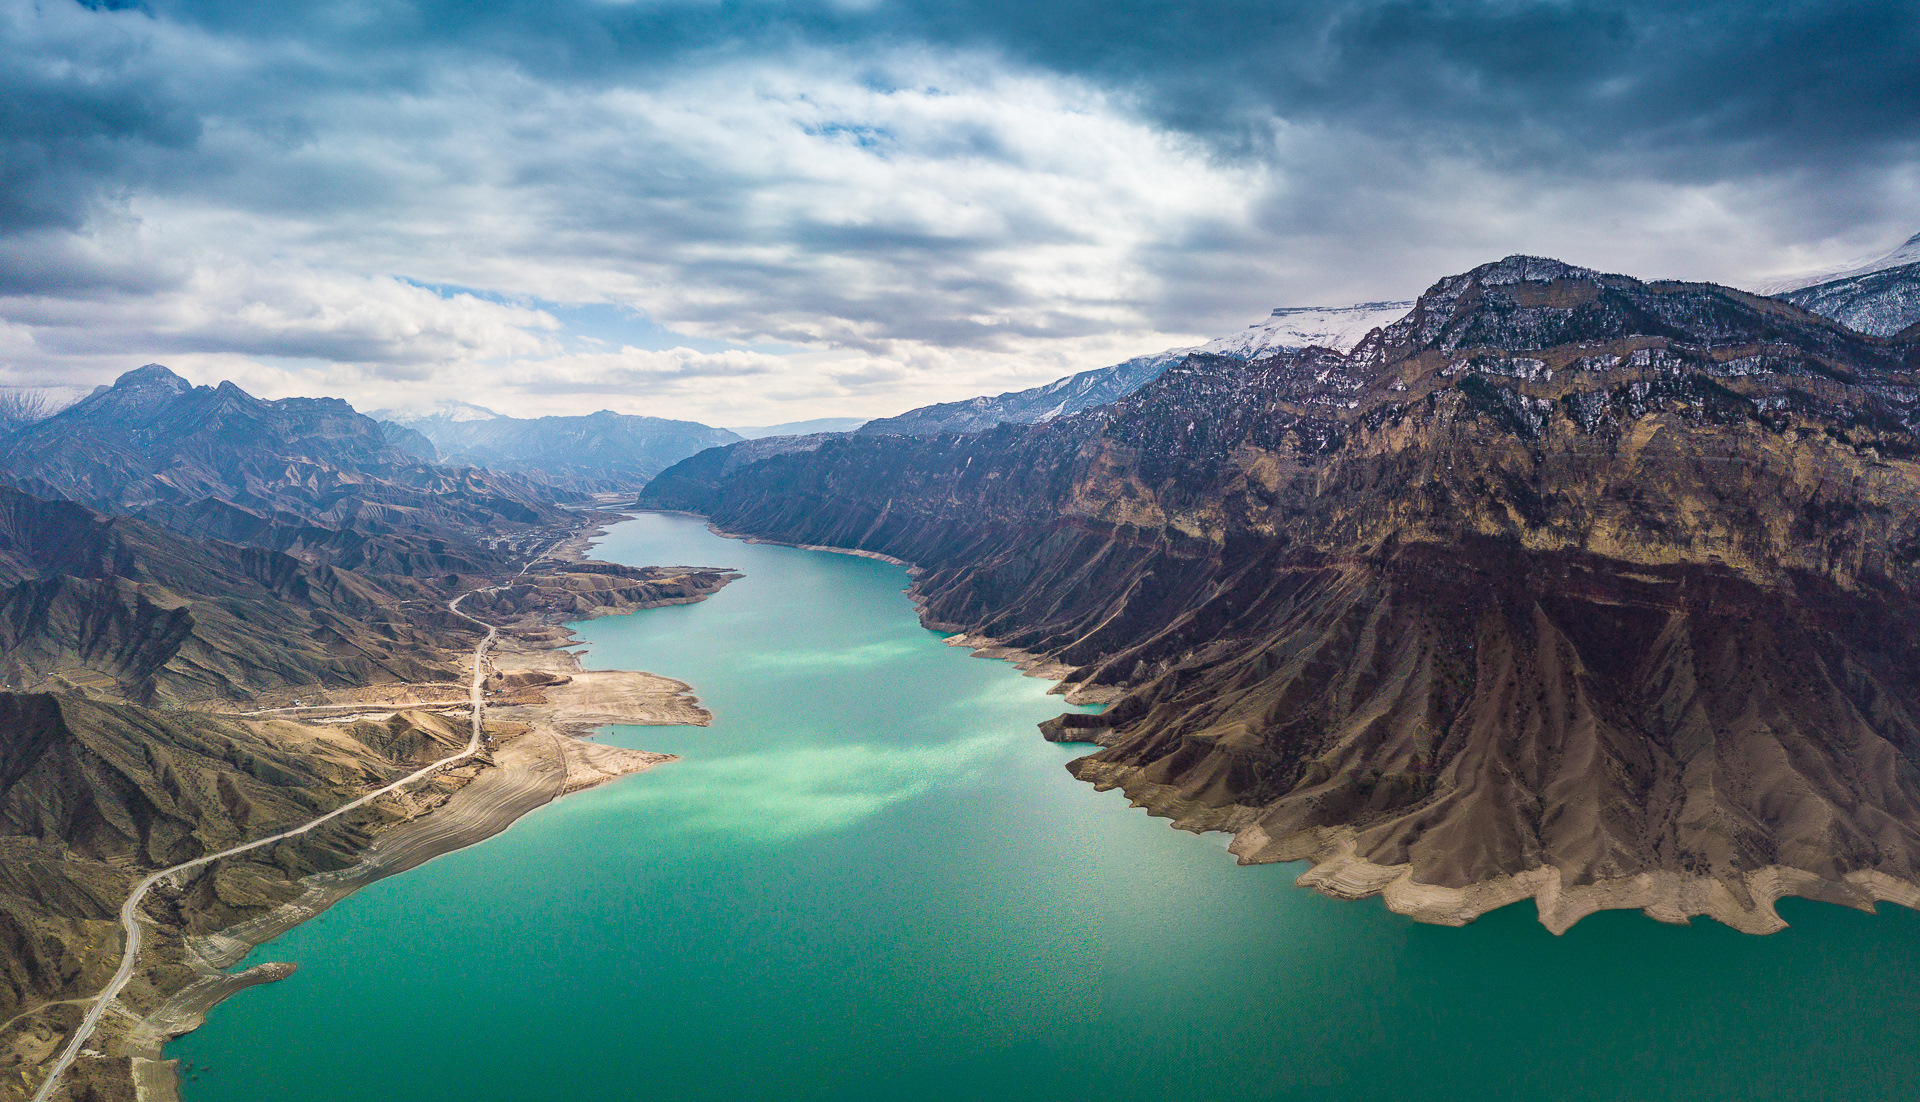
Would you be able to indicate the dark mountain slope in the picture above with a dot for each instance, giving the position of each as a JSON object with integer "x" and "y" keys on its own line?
{"x": 1565, "y": 585}
{"x": 113, "y": 605}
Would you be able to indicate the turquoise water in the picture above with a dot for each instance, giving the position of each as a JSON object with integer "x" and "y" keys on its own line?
{"x": 871, "y": 879}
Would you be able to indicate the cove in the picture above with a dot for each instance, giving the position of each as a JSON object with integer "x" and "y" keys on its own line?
{"x": 871, "y": 879}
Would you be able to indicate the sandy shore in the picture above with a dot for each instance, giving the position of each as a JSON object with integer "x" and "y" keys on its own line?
{"x": 529, "y": 771}
{"x": 745, "y": 538}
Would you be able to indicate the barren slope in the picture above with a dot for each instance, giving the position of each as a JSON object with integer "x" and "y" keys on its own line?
{"x": 1565, "y": 585}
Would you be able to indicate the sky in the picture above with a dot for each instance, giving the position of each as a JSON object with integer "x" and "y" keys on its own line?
{"x": 747, "y": 213}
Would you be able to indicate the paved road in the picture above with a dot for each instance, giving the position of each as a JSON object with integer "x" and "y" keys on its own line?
{"x": 130, "y": 910}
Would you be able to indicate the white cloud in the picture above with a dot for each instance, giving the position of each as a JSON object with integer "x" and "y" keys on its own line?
{"x": 923, "y": 224}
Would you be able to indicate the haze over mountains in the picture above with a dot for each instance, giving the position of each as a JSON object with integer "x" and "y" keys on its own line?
{"x": 1562, "y": 585}
{"x": 597, "y": 453}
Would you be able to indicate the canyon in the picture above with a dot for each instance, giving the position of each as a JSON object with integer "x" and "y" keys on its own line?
{"x": 1564, "y": 586}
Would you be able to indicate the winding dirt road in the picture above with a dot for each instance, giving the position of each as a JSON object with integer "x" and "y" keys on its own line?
{"x": 130, "y": 910}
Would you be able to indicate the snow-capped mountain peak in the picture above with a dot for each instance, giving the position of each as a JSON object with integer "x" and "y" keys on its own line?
{"x": 450, "y": 410}
{"x": 1908, "y": 253}
{"x": 1291, "y": 327}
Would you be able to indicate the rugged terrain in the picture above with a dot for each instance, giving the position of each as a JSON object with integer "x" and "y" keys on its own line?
{"x": 369, "y": 675}
{"x": 221, "y": 617}
{"x": 1564, "y": 585}
{"x": 1287, "y": 328}
{"x": 308, "y": 475}
{"x": 118, "y": 607}
{"x": 1881, "y": 298}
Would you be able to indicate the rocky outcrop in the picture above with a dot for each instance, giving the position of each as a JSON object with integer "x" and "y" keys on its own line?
{"x": 1564, "y": 585}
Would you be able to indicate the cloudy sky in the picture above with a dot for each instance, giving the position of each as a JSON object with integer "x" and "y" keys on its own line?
{"x": 744, "y": 213}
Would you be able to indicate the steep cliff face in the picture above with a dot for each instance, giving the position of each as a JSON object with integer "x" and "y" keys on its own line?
{"x": 1564, "y": 585}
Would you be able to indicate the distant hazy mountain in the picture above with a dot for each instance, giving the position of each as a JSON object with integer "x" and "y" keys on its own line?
{"x": 190, "y": 457}
{"x": 1286, "y": 329}
{"x": 1881, "y": 297}
{"x": 799, "y": 428}
{"x": 597, "y": 453}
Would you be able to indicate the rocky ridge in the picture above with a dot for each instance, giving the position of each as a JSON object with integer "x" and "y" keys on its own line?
{"x": 1289, "y": 327}
{"x": 216, "y": 461}
{"x": 1564, "y": 585}
{"x": 1881, "y": 298}
{"x": 115, "y": 607}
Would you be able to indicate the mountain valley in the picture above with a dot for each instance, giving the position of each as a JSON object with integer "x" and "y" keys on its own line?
{"x": 222, "y": 617}
{"x": 598, "y": 453}
{"x": 1550, "y": 584}
{"x": 1564, "y": 585}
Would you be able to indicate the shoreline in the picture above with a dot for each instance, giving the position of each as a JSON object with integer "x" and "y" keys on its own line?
{"x": 1336, "y": 871}
{"x": 543, "y": 756}
{"x": 979, "y": 646}
{"x": 531, "y": 770}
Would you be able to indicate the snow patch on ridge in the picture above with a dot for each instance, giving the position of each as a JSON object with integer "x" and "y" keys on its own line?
{"x": 1908, "y": 253}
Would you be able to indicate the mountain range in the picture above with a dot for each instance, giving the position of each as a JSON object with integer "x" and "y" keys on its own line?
{"x": 1881, "y": 297}
{"x": 1562, "y": 585}
{"x": 305, "y": 475}
{"x": 597, "y": 453}
{"x": 218, "y": 614}
{"x": 1551, "y": 583}
{"x": 1289, "y": 327}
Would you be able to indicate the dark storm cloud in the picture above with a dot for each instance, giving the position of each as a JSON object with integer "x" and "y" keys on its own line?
{"x": 78, "y": 117}
{"x": 1776, "y": 83}
{"x": 901, "y": 180}
{"x": 1695, "y": 90}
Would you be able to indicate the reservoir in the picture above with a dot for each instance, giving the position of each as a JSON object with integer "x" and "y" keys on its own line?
{"x": 871, "y": 879}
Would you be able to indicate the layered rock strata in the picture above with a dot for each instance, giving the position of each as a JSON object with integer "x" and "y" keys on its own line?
{"x": 1565, "y": 585}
